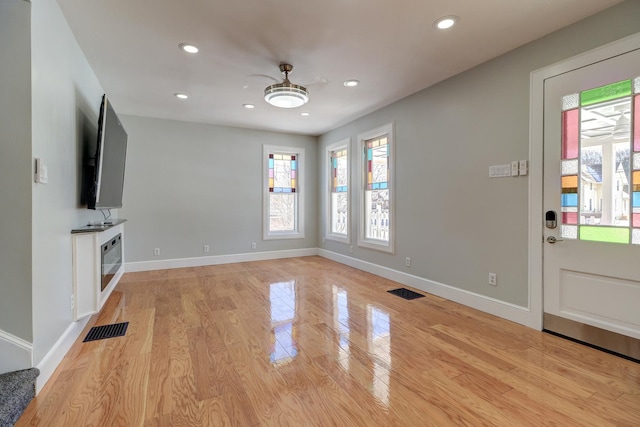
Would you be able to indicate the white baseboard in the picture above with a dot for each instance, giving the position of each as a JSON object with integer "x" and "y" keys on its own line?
{"x": 515, "y": 313}
{"x": 217, "y": 259}
{"x": 53, "y": 358}
{"x": 16, "y": 353}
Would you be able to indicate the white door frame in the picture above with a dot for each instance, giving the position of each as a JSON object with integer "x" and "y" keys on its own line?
{"x": 536, "y": 140}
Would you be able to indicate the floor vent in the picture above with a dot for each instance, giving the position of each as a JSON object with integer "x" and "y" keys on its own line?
{"x": 405, "y": 293}
{"x": 107, "y": 331}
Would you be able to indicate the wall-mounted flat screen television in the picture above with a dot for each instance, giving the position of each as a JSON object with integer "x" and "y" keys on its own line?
{"x": 110, "y": 157}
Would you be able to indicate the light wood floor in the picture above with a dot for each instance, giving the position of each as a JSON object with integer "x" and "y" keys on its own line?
{"x": 309, "y": 342}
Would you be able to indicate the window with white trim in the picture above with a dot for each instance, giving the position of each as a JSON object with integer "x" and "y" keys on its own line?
{"x": 283, "y": 192}
{"x": 337, "y": 227}
{"x": 376, "y": 216}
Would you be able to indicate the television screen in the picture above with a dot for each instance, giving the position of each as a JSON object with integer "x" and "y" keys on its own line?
{"x": 110, "y": 159}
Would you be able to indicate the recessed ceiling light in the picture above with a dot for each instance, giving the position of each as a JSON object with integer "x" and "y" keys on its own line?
{"x": 351, "y": 83}
{"x": 446, "y": 22}
{"x": 189, "y": 48}
{"x": 305, "y": 114}
{"x": 181, "y": 95}
{"x": 248, "y": 106}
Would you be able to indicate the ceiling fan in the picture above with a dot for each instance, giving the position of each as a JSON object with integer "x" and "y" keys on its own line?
{"x": 286, "y": 94}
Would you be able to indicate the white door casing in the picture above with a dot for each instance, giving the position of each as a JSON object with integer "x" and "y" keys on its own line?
{"x": 537, "y": 207}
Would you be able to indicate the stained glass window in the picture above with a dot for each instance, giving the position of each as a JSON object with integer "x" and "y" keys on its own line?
{"x": 339, "y": 183}
{"x": 282, "y": 173}
{"x": 377, "y": 164}
{"x": 600, "y": 164}
{"x": 377, "y": 188}
{"x": 282, "y": 199}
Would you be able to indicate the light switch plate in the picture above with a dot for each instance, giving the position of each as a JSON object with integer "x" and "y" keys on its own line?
{"x": 514, "y": 168}
{"x": 524, "y": 167}
{"x": 499, "y": 171}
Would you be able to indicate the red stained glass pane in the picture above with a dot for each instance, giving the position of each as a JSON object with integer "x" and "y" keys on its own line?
{"x": 570, "y": 134}
{"x": 636, "y": 220}
{"x": 569, "y": 217}
{"x": 636, "y": 124}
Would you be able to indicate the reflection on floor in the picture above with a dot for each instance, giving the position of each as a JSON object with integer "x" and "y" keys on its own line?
{"x": 309, "y": 342}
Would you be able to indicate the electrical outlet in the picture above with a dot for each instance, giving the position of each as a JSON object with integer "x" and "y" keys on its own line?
{"x": 156, "y": 251}
{"x": 407, "y": 262}
{"x": 253, "y": 245}
{"x": 493, "y": 279}
{"x": 205, "y": 249}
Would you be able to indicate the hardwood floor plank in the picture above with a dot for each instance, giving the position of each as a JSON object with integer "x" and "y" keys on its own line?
{"x": 310, "y": 342}
{"x": 159, "y": 394}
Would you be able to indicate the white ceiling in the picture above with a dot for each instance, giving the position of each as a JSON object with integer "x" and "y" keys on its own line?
{"x": 391, "y": 46}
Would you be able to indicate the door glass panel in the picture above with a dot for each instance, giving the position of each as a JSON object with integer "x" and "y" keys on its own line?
{"x": 636, "y": 125}
{"x": 600, "y": 183}
{"x": 570, "y": 167}
{"x": 605, "y": 93}
{"x": 604, "y": 234}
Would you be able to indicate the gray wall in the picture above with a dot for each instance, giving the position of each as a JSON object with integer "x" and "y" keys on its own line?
{"x": 15, "y": 168}
{"x": 455, "y": 223}
{"x": 66, "y": 99}
{"x": 189, "y": 185}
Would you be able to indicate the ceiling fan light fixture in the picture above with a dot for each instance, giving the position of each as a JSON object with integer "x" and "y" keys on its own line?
{"x": 286, "y": 94}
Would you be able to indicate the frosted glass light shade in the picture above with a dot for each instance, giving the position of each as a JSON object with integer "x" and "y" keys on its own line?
{"x": 286, "y": 95}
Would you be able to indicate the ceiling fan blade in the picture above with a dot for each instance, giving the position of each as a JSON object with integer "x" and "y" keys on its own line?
{"x": 317, "y": 82}
{"x": 262, "y": 78}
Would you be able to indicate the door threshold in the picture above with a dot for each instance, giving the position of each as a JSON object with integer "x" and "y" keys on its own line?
{"x": 600, "y": 339}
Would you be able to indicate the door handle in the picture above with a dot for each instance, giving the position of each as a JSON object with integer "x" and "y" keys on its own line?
{"x": 552, "y": 240}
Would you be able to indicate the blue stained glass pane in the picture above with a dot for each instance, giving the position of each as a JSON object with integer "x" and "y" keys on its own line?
{"x": 293, "y": 164}
{"x": 370, "y": 154}
{"x": 383, "y": 185}
{"x": 335, "y": 162}
{"x": 286, "y": 190}
{"x": 270, "y": 163}
{"x": 376, "y": 186}
{"x": 277, "y": 190}
{"x": 342, "y": 189}
{"x": 636, "y": 199}
{"x": 569, "y": 200}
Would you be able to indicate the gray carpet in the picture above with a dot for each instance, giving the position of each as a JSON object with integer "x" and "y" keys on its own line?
{"x": 17, "y": 389}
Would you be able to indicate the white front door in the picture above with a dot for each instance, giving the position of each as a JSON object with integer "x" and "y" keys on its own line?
{"x": 591, "y": 272}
